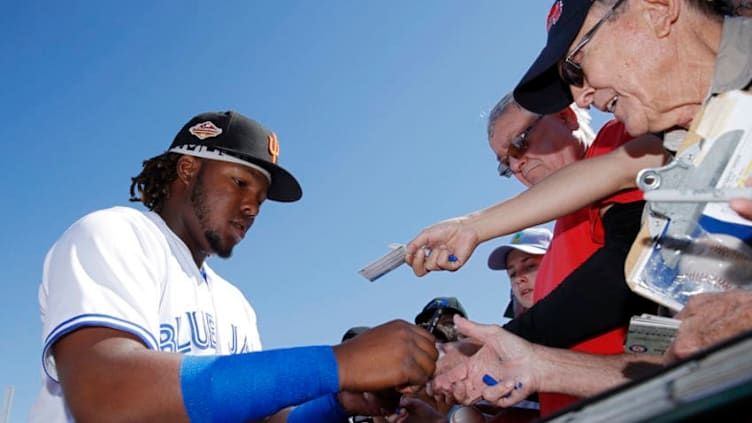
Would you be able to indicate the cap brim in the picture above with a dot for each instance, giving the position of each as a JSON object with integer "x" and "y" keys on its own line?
{"x": 497, "y": 260}
{"x": 425, "y": 315}
{"x": 542, "y": 90}
{"x": 284, "y": 187}
{"x": 354, "y": 331}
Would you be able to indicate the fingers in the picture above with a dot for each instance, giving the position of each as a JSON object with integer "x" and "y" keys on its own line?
{"x": 442, "y": 258}
{"x": 400, "y": 417}
{"x": 479, "y": 377}
{"x": 425, "y": 259}
{"x": 443, "y": 246}
{"x": 420, "y": 355}
{"x": 416, "y": 258}
{"x": 477, "y": 331}
{"x": 416, "y": 244}
{"x": 695, "y": 303}
{"x": 444, "y": 381}
{"x": 410, "y": 389}
{"x": 391, "y": 355}
{"x": 506, "y": 393}
{"x": 681, "y": 348}
{"x": 441, "y": 397}
{"x": 418, "y": 410}
{"x": 743, "y": 207}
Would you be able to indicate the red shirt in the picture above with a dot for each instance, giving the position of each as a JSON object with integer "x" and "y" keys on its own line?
{"x": 576, "y": 237}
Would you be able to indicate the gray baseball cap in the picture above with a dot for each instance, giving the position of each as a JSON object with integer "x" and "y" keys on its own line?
{"x": 531, "y": 241}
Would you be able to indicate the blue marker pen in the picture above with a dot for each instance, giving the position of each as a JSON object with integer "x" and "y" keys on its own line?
{"x": 489, "y": 380}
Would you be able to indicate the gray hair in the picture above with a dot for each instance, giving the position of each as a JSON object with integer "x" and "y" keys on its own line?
{"x": 500, "y": 108}
{"x": 584, "y": 133}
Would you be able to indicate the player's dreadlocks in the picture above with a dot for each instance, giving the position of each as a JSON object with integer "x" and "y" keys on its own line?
{"x": 153, "y": 183}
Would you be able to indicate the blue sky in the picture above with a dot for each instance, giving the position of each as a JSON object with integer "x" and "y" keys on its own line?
{"x": 380, "y": 108}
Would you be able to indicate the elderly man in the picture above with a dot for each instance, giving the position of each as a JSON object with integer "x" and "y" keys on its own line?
{"x": 682, "y": 52}
{"x": 688, "y": 52}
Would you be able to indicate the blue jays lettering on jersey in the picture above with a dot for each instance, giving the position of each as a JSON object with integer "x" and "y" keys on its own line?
{"x": 196, "y": 331}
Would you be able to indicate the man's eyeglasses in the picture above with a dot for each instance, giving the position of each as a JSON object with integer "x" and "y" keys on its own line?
{"x": 517, "y": 148}
{"x": 571, "y": 71}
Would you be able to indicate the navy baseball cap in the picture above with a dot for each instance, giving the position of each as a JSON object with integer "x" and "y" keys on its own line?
{"x": 447, "y": 303}
{"x": 542, "y": 90}
{"x": 229, "y": 136}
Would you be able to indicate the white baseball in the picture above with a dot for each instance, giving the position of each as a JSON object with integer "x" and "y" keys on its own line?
{"x": 467, "y": 415}
{"x": 717, "y": 262}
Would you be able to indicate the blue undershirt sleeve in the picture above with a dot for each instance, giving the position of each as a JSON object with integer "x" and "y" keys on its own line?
{"x": 251, "y": 386}
{"x": 324, "y": 409}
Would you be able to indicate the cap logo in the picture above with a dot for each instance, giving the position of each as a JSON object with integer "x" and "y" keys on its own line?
{"x": 554, "y": 14}
{"x": 205, "y": 130}
{"x": 517, "y": 238}
{"x": 273, "y": 146}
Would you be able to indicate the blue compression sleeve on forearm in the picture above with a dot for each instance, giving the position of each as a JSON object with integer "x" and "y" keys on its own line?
{"x": 325, "y": 409}
{"x": 250, "y": 386}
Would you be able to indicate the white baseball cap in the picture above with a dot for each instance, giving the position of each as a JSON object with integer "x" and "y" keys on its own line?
{"x": 531, "y": 241}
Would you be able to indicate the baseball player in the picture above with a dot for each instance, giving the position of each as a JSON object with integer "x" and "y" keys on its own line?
{"x": 138, "y": 327}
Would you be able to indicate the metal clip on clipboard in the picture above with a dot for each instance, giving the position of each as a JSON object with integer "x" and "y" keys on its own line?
{"x": 676, "y": 219}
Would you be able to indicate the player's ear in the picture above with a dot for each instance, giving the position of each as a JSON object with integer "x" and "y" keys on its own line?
{"x": 187, "y": 168}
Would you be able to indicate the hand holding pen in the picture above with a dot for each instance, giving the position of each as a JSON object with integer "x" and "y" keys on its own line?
{"x": 446, "y": 245}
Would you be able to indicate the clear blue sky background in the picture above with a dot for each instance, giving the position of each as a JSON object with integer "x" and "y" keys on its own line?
{"x": 380, "y": 108}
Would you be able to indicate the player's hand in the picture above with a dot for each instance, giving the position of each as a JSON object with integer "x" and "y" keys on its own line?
{"x": 380, "y": 403}
{"x": 416, "y": 410}
{"x": 393, "y": 355}
{"x": 711, "y": 318}
{"x": 446, "y": 245}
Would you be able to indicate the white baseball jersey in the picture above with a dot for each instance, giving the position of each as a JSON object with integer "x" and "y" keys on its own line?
{"x": 124, "y": 269}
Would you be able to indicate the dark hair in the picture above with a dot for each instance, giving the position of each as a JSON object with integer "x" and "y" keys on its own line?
{"x": 153, "y": 183}
{"x": 709, "y": 8}
{"x": 723, "y": 7}
{"x": 712, "y": 8}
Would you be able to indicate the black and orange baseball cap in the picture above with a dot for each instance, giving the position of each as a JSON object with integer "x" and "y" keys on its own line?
{"x": 231, "y": 137}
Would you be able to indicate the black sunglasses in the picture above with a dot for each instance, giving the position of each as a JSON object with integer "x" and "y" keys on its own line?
{"x": 517, "y": 148}
{"x": 571, "y": 71}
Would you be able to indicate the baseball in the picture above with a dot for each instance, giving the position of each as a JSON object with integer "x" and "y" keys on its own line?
{"x": 467, "y": 415}
{"x": 715, "y": 262}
